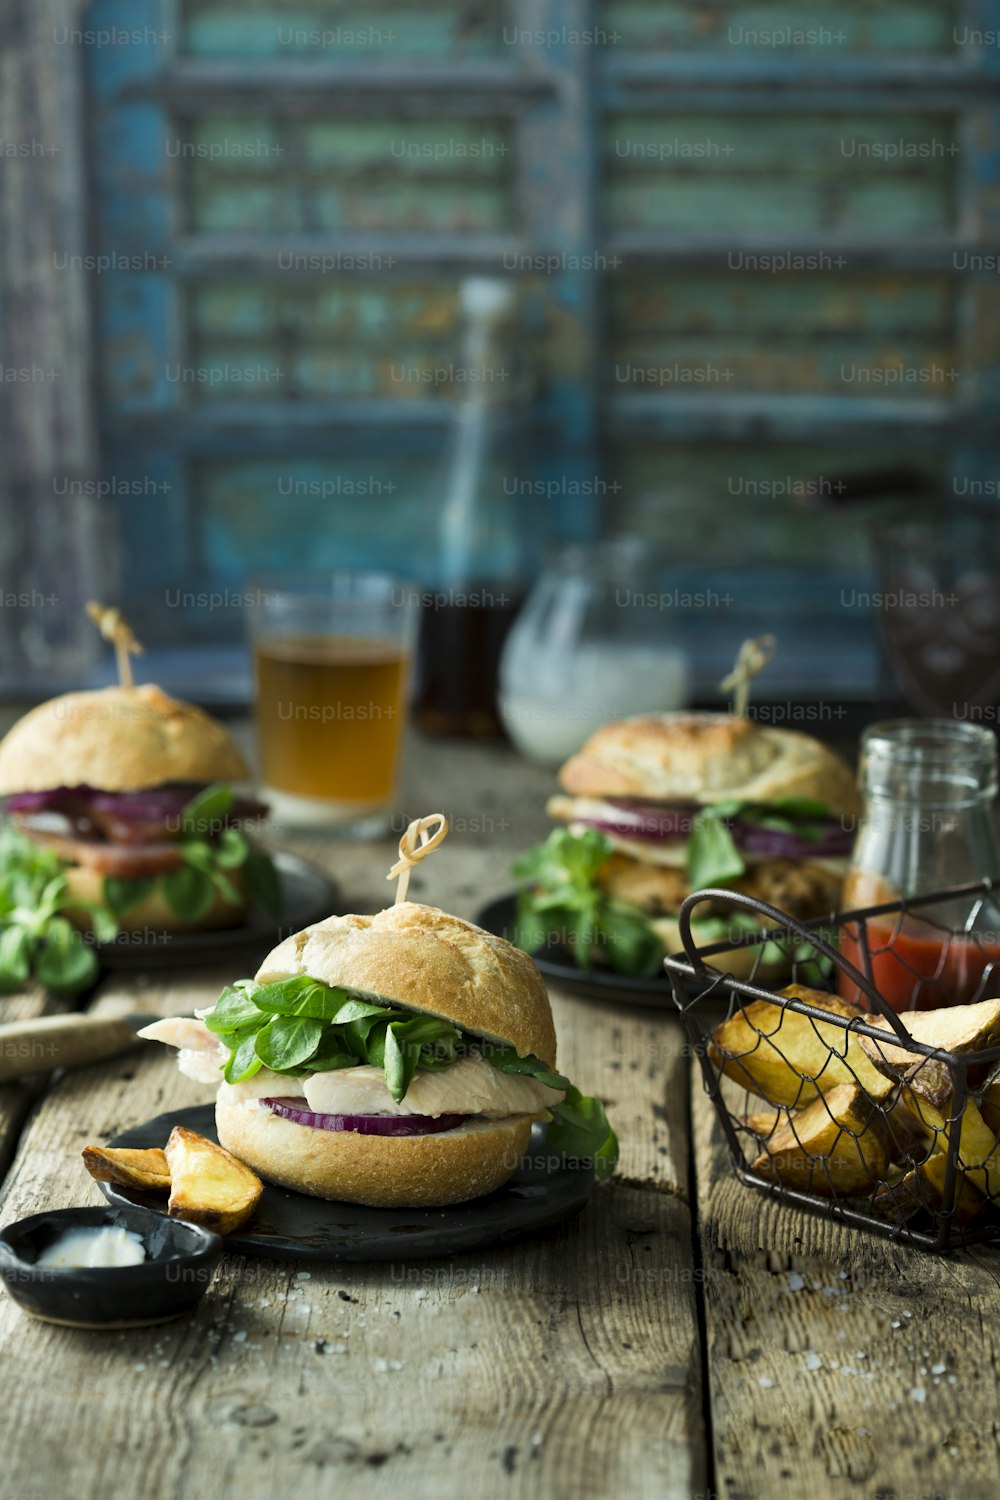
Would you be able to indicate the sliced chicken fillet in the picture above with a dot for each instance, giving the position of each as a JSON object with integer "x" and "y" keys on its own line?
{"x": 471, "y": 1086}
{"x": 200, "y": 1055}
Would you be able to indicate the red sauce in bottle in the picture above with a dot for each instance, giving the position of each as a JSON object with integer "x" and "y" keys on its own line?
{"x": 915, "y": 965}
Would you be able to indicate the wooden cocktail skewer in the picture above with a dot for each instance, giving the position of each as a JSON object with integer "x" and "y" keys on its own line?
{"x": 754, "y": 655}
{"x": 417, "y": 842}
{"x": 115, "y": 628}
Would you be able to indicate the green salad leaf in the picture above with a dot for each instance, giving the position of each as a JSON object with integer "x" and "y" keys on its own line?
{"x": 37, "y": 940}
{"x": 210, "y": 855}
{"x": 203, "y": 812}
{"x": 579, "y": 1128}
{"x": 712, "y": 855}
{"x": 561, "y": 900}
{"x": 299, "y": 1025}
{"x": 208, "y": 860}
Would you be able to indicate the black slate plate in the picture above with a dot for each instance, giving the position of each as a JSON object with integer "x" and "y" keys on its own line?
{"x": 557, "y": 965}
{"x": 289, "y": 1226}
{"x": 307, "y": 895}
{"x": 596, "y": 984}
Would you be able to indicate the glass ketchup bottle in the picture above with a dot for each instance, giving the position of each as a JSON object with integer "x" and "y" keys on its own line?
{"x": 928, "y": 787}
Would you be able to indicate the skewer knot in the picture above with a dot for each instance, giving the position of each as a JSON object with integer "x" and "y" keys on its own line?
{"x": 417, "y": 842}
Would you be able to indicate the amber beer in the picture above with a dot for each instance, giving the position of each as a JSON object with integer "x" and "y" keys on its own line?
{"x": 330, "y": 712}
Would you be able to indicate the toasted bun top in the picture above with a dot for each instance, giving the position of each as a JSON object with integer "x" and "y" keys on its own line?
{"x": 687, "y": 757}
{"x": 116, "y": 739}
{"x": 431, "y": 962}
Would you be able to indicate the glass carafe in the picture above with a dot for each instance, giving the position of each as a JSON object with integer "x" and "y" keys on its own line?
{"x": 594, "y": 642}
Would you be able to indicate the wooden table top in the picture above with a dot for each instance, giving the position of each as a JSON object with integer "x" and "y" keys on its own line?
{"x": 684, "y": 1338}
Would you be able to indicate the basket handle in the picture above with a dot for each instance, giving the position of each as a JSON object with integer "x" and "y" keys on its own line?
{"x": 782, "y": 919}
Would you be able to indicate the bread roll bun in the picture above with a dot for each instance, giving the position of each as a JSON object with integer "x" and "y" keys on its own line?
{"x": 705, "y": 758}
{"x": 118, "y": 739}
{"x": 382, "y": 1171}
{"x": 430, "y": 962}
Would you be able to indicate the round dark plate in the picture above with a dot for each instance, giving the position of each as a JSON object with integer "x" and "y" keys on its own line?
{"x": 307, "y": 895}
{"x": 289, "y": 1226}
{"x": 558, "y": 966}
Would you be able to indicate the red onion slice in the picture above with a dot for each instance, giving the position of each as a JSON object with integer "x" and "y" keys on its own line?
{"x": 776, "y": 843}
{"x": 153, "y": 805}
{"x": 672, "y": 822}
{"x": 289, "y": 1109}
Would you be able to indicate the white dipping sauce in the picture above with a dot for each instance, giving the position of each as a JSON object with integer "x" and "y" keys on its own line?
{"x": 91, "y": 1248}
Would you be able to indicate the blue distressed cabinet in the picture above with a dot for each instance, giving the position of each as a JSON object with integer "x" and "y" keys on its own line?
{"x": 752, "y": 241}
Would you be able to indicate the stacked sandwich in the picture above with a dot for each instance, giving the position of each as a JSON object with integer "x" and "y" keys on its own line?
{"x": 663, "y": 804}
{"x": 125, "y": 794}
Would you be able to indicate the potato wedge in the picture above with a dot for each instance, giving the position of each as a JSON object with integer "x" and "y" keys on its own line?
{"x": 208, "y": 1185}
{"x": 921, "y": 1190}
{"x": 136, "y": 1171}
{"x": 836, "y": 1146}
{"x": 928, "y": 1093}
{"x": 989, "y": 1104}
{"x": 954, "y": 1028}
{"x": 910, "y": 1142}
{"x": 789, "y": 1059}
{"x": 764, "y": 1122}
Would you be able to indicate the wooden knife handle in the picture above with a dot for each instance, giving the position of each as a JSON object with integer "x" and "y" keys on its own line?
{"x": 70, "y": 1041}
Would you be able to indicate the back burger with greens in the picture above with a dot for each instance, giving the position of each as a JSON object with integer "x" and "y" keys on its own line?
{"x": 660, "y": 805}
{"x": 122, "y": 817}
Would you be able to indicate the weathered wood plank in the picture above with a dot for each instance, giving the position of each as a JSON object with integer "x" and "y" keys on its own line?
{"x": 295, "y": 28}
{"x": 569, "y": 1366}
{"x": 727, "y": 27}
{"x": 566, "y": 1367}
{"x": 838, "y": 1360}
{"x": 51, "y": 540}
{"x": 284, "y": 176}
{"x": 17, "y": 1099}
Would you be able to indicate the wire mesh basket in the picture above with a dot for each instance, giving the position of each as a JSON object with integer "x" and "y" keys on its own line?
{"x": 829, "y": 1099}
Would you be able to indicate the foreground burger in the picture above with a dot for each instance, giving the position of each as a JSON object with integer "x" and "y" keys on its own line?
{"x": 663, "y": 804}
{"x": 396, "y": 1060}
{"x": 125, "y": 791}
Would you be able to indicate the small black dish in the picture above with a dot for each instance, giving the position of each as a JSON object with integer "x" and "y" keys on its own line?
{"x": 181, "y": 1259}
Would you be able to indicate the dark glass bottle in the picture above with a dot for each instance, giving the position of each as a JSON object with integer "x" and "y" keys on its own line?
{"x": 477, "y": 577}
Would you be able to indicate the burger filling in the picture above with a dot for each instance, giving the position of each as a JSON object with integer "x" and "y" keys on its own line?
{"x": 187, "y": 837}
{"x": 608, "y": 887}
{"x": 337, "y": 1059}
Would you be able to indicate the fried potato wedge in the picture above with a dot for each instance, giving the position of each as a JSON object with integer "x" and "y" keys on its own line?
{"x": 789, "y": 1059}
{"x": 136, "y": 1171}
{"x": 989, "y": 1104}
{"x": 209, "y": 1186}
{"x": 928, "y": 1093}
{"x": 764, "y": 1122}
{"x": 910, "y": 1142}
{"x": 954, "y": 1028}
{"x": 922, "y": 1190}
{"x": 836, "y": 1146}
